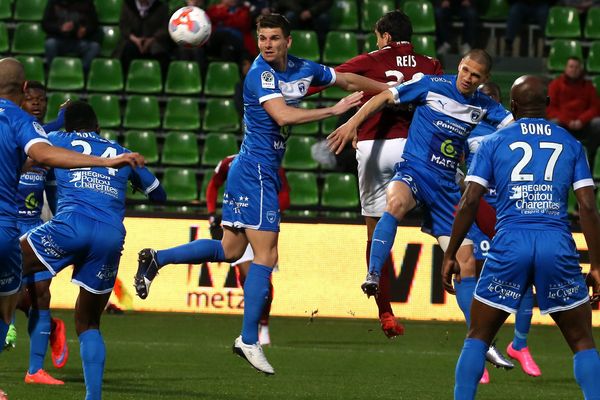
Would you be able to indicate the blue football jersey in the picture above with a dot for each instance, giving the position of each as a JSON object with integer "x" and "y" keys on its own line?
{"x": 264, "y": 140}
{"x": 533, "y": 164}
{"x": 443, "y": 120}
{"x": 18, "y": 132}
{"x": 30, "y": 195}
{"x": 97, "y": 192}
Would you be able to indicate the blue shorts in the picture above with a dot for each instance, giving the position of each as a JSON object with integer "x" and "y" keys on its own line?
{"x": 438, "y": 196}
{"x": 10, "y": 266}
{"x": 481, "y": 243}
{"x": 251, "y": 196}
{"x": 94, "y": 248}
{"x": 24, "y": 227}
{"x": 547, "y": 259}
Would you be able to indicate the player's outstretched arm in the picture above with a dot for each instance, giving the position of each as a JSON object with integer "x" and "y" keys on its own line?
{"x": 590, "y": 226}
{"x": 467, "y": 209}
{"x": 59, "y": 157}
{"x": 288, "y": 115}
{"x": 338, "y": 139}
{"x": 353, "y": 82}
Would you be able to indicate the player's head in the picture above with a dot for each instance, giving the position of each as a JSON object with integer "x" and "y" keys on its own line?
{"x": 35, "y": 101}
{"x": 491, "y": 89}
{"x": 80, "y": 117}
{"x": 394, "y": 26}
{"x": 12, "y": 78}
{"x": 529, "y": 97}
{"x": 473, "y": 70}
{"x": 574, "y": 68}
{"x": 273, "y": 31}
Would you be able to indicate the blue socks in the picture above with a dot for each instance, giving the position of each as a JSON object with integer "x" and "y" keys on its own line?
{"x": 256, "y": 293}
{"x": 3, "y": 331}
{"x": 38, "y": 326}
{"x": 469, "y": 369}
{"x": 464, "y": 296}
{"x": 93, "y": 354}
{"x": 523, "y": 320}
{"x": 586, "y": 367}
{"x": 195, "y": 252}
{"x": 382, "y": 242}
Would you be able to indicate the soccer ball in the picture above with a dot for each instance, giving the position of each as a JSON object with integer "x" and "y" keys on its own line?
{"x": 190, "y": 27}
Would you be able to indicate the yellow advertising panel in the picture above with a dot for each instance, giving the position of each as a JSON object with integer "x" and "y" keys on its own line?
{"x": 321, "y": 267}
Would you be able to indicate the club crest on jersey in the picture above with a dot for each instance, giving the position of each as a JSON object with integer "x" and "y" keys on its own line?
{"x": 475, "y": 115}
{"x": 38, "y": 128}
{"x": 267, "y": 80}
{"x": 271, "y": 216}
{"x": 301, "y": 87}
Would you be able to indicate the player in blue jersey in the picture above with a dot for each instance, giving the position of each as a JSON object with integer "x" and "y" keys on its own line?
{"x": 517, "y": 349}
{"x": 87, "y": 231}
{"x": 273, "y": 88}
{"x": 448, "y": 107}
{"x": 22, "y": 136}
{"x": 533, "y": 164}
{"x": 35, "y": 300}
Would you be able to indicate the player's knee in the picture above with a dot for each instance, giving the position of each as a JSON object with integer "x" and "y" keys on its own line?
{"x": 396, "y": 206}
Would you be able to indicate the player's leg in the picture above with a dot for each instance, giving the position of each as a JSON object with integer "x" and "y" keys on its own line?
{"x": 10, "y": 278}
{"x": 518, "y": 348}
{"x": 256, "y": 292}
{"x": 576, "y": 327}
{"x": 485, "y": 323}
{"x": 39, "y": 326}
{"x": 88, "y": 311}
{"x": 150, "y": 261}
{"x": 566, "y": 298}
{"x": 376, "y": 161}
{"x": 243, "y": 266}
{"x": 399, "y": 202}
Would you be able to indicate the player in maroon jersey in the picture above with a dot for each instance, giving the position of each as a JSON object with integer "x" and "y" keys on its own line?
{"x": 216, "y": 232}
{"x": 381, "y": 138}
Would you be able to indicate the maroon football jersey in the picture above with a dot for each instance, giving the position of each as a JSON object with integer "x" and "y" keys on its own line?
{"x": 395, "y": 63}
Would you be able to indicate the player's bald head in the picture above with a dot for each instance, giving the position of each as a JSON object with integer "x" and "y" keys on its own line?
{"x": 492, "y": 89}
{"x": 529, "y": 97}
{"x": 12, "y": 77}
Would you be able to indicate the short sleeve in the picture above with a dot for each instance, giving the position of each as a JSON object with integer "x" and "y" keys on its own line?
{"x": 413, "y": 91}
{"x": 322, "y": 75}
{"x": 264, "y": 84}
{"x": 498, "y": 116}
{"x": 582, "y": 176}
{"x": 481, "y": 171}
{"x": 29, "y": 133}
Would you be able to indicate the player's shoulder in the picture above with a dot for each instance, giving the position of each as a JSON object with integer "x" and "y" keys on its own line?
{"x": 14, "y": 113}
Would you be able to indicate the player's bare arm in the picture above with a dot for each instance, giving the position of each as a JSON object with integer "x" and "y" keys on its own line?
{"x": 590, "y": 226}
{"x": 59, "y": 157}
{"x": 288, "y": 115}
{"x": 467, "y": 210}
{"x": 338, "y": 139}
{"x": 352, "y": 82}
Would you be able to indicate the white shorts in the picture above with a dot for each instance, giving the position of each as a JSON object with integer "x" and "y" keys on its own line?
{"x": 248, "y": 256}
{"x": 376, "y": 160}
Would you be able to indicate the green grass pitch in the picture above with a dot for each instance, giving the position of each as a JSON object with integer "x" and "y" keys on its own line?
{"x": 188, "y": 356}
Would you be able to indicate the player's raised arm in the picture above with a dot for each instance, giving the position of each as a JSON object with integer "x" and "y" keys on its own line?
{"x": 347, "y": 132}
{"x": 467, "y": 209}
{"x": 353, "y": 82}
{"x": 288, "y": 115}
{"x": 59, "y": 157}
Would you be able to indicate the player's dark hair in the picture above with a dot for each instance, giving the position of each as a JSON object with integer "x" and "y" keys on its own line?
{"x": 579, "y": 60}
{"x": 480, "y": 56}
{"x": 80, "y": 117}
{"x": 397, "y": 24}
{"x": 274, "y": 21}
{"x": 36, "y": 85}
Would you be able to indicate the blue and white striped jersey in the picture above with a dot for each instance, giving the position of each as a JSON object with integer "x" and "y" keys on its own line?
{"x": 264, "y": 140}
{"x": 443, "y": 120}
